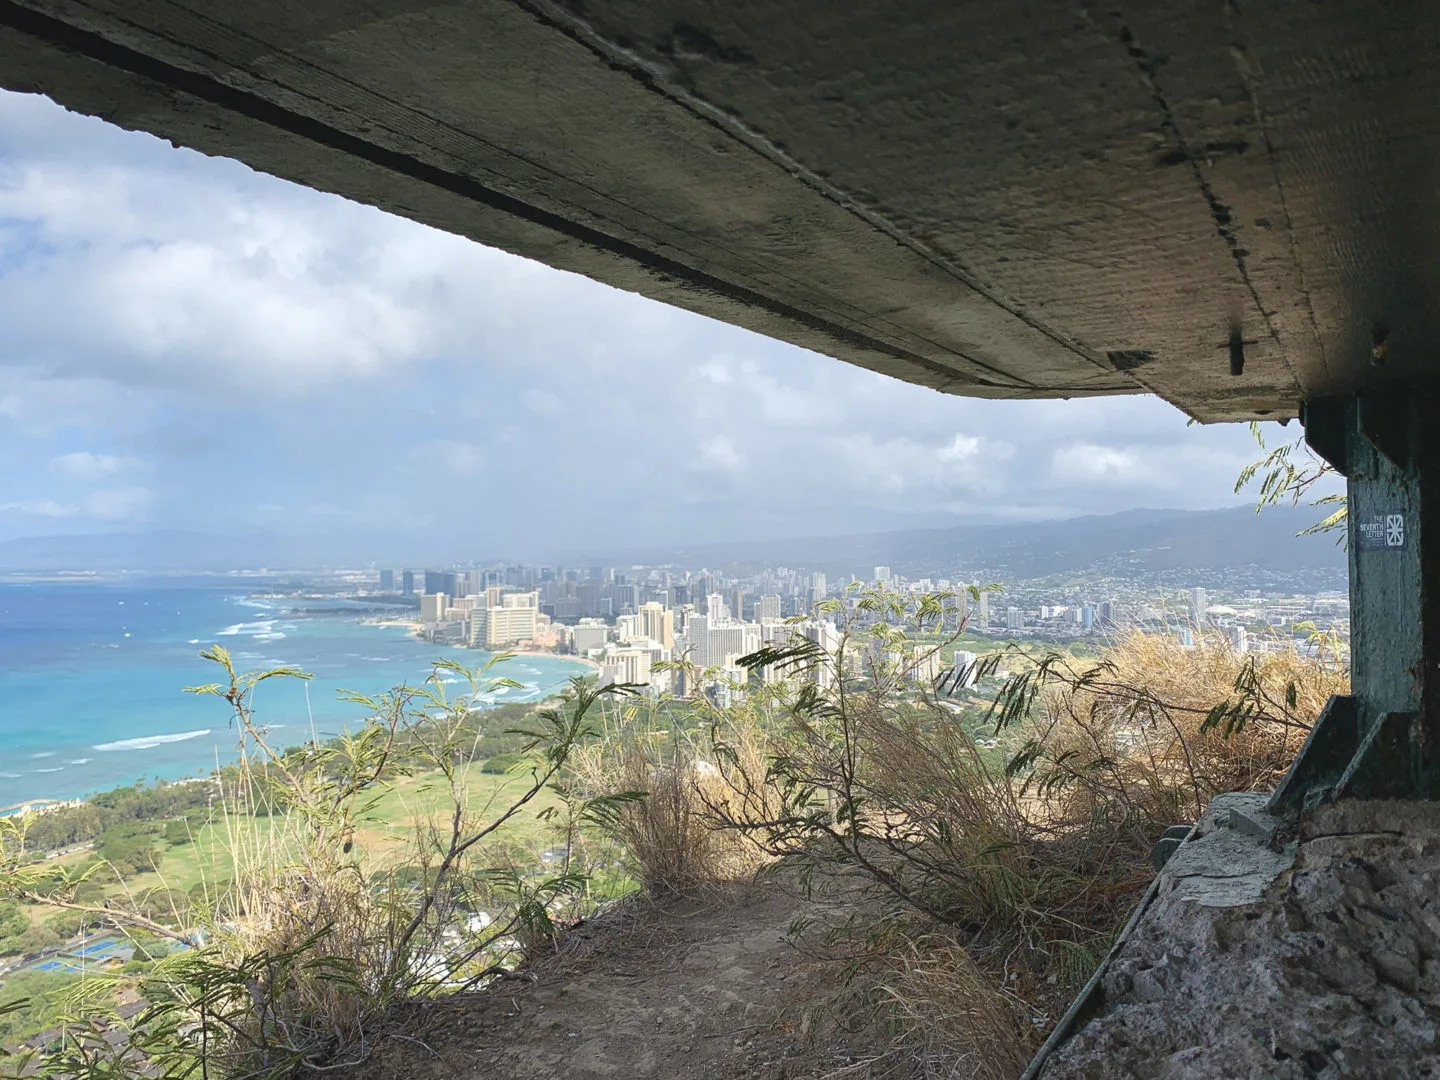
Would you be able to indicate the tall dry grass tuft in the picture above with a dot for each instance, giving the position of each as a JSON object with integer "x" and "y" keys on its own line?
{"x": 954, "y": 1019}
{"x": 1156, "y": 729}
{"x": 662, "y": 797}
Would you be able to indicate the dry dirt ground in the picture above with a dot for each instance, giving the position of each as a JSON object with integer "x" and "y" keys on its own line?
{"x": 706, "y": 987}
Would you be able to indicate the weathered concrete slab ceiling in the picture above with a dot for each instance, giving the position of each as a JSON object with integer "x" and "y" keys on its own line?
{"x": 1013, "y": 198}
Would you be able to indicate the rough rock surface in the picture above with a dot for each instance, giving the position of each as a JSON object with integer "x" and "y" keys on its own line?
{"x": 1330, "y": 970}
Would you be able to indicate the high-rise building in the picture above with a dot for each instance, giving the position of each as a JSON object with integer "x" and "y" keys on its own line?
{"x": 1087, "y": 617}
{"x": 714, "y": 607}
{"x": 767, "y": 607}
{"x": 433, "y": 607}
{"x": 657, "y": 623}
{"x": 589, "y": 634}
{"x": 965, "y": 675}
{"x": 590, "y": 594}
{"x": 982, "y": 610}
{"x": 514, "y": 618}
{"x": 387, "y": 581}
{"x": 1198, "y": 604}
{"x": 407, "y": 582}
{"x": 1239, "y": 639}
{"x": 697, "y": 639}
{"x": 625, "y": 666}
{"x": 817, "y": 587}
{"x": 731, "y": 641}
{"x": 1014, "y": 619}
{"x": 882, "y": 575}
{"x": 434, "y": 582}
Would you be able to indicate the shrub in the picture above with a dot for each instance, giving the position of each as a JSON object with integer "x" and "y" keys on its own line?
{"x": 177, "y": 832}
{"x": 502, "y": 763}
{"x": 659, "y": 802}
{"x": 1032, "y": 860}
{"x": 305, "y": 945}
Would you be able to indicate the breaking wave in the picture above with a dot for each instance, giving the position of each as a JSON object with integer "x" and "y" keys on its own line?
{"x": 145, "y": 742}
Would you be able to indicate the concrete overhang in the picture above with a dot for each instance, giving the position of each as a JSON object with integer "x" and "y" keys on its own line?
{"x": 1008, "y": 199}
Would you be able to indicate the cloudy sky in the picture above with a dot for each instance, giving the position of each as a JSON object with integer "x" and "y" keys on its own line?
{"x": 192, "y": 344}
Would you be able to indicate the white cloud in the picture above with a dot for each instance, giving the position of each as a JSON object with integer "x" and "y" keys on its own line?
{"x": 117, "y": 504}
{"x": 39, "y": 508}
{"x": 1090, "y": 462}
{"x": 716, "y": 372}
{"x": 541, "y": 402}
{"x": 455, "y": 456}
{"x": 959, "y": 448}
{"x": 84, "y": 465}
{"x": 719, "y": 453}
{"x": 965, "y": 463}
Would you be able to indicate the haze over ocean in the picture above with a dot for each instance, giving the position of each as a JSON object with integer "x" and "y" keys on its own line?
{"x": 92, "y": 676}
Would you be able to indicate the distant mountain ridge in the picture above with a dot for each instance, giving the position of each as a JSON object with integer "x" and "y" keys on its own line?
{"x": 1124, "y": 544}
{"x": 1145, "y": 541}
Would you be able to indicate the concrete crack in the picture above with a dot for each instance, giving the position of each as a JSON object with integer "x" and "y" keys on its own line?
{"x": 1220, "y": 213}
{"x": 665, "y": 78}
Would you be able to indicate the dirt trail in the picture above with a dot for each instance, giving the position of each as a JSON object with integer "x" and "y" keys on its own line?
{"x": 705, "y": 987}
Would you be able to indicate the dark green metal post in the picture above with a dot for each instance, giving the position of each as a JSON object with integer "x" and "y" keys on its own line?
{"x": 1382, "y": 741}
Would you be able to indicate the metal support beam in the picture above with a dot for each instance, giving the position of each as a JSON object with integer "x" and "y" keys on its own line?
{"x": 1384, "y": 740}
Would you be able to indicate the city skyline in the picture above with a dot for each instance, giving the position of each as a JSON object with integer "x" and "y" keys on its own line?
{"x": 685, "y": 630}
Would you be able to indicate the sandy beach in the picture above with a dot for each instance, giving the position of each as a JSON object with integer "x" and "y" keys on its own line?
{"x": 409, "y": 624}
{"x": 553, "y": 655}
{"x": 418, "y": 629}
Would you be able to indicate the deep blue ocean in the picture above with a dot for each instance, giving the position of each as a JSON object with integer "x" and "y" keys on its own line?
{"x": 93, "y": 676}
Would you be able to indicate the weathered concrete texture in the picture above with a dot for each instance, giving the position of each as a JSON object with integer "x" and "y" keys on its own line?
{"x": 1009, "y": 198}
{"x": 1331, "y": 969}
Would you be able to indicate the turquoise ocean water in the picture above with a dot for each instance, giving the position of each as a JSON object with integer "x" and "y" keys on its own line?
{"x": 92, "y": 676}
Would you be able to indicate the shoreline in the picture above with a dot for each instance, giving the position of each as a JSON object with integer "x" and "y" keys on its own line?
{"x": 91, "y": 775}
{"x": 407, "y": 624}
{"x": 417, "y": 630}
{"x": 583, "y": 660}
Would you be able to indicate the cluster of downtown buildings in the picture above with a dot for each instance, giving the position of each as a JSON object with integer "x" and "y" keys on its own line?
{"x": 628, "y": 621}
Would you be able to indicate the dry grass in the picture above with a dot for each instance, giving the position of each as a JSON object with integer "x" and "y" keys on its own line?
{"x": 1157, "y": 729}
{"x": 954, "y": 1020}
{"x": 666, "y": 825}
{"x": 1009, "y": 880}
